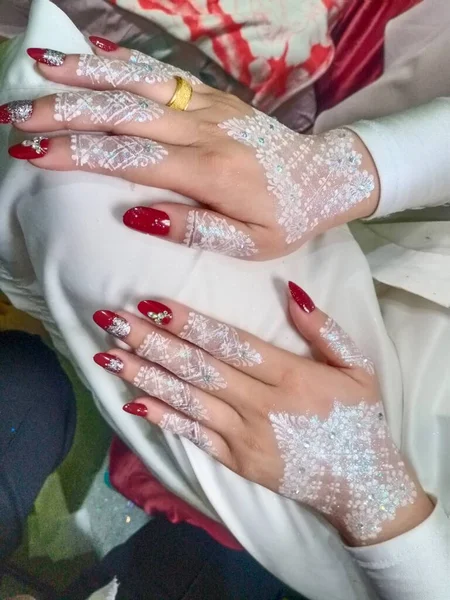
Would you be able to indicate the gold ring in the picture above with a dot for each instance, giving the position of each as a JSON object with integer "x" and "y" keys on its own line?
{"x": 182, "y": 95}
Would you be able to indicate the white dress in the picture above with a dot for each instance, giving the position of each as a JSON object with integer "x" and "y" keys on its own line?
{"x": 64, "y": 253}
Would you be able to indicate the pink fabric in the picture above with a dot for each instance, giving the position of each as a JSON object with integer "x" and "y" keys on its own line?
{"x": 274, "y": 47}
{"x": 131, "y": 478}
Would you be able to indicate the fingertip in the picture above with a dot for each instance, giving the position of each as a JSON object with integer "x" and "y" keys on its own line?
{"x": 147, "y": 220}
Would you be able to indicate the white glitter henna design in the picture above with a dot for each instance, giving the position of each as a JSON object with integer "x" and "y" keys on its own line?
{"x": 187, "y": 362}
{"x": 207, "y": 232}
{"x": 171, "y": 390}
{"x": 219, "y": 340}
{"x": 189, "y": 429}
{"x": 115, "y": 153}
{"x": 112, "y": 107}
{"x": 139, "y": 69}
{"x": 341, "y": 344}
{"x": 346, "y": 466}
{"x": 313, "y": 177}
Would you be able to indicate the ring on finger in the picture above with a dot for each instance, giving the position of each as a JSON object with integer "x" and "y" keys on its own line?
{"x": 182, "y": 95}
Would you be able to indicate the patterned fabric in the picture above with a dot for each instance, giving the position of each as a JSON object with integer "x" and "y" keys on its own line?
{"x": 274, "y": 48}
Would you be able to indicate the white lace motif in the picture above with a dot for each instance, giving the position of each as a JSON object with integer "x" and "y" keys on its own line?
{"x": 346, "y": 466}
{"x": 114, "y": 153}
{"x": 112, "y": 107}
{"x": 171, "y": 390}
{"x": 185, "y": 361}
{"x": 342, "y": 345}
{"x": 220, "y": 340}
{"x": 191, "y": 430}
{"x": 139, "y": 69}
{"x": 312, "y": 177}
{"x": 206, "y": 231}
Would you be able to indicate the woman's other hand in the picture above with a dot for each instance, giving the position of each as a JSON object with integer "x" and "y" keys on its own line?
{"x": 313, "y": 431}
{"x": 263, "y": 190}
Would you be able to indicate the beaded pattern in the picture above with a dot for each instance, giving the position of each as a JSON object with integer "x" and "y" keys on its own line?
{"x": 191, "y": 430}
{"x": 185, "y": 361}
{"x": 220, "y": 340}
{"x": 206, "y": 231}
{"x": 112, "y": 107}
{"x": 114, "y": 153}
{"x": 341, "y": 344}
{"x": 345, "y": 465}
{"x": 171, "y": 390}
{"x": 312, "y": 177}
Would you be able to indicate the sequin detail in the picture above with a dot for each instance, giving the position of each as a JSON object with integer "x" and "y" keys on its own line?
{"x": 139, "y": 69}
{"x": 188, "y": 429}
{"x": 36, "y": 144}
{"x": 220, "y": 340}
{"x": 342, "y": 345}
{"x": 120, "y": 328}
{"x": 54, "y": 58}
{"x": 114, "y": 365}
{"x": 185, "y": 361}
{"x": 20, "y": 111}
{"x": 205, "y": 231}
{"x": 159, "y": 318}
{"x": 114, "y": 153}
{"x": 171, "y": 390}
{"x": 312, "y": 177}
{"x": 346, "y": 466}
{"x": 111, "y": 107}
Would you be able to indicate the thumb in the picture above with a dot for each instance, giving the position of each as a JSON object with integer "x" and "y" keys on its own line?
{"x": 196, "y": 228}
{"x": 325, "y": 334}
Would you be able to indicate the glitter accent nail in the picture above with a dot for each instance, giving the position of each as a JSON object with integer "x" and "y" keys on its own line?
{"x": 46, "y": 56}
{"x": 157, "y": 312}
{"x": 112, "y": 323}
{"x": 17, "y": 111}
{"x": 109, "y": 362}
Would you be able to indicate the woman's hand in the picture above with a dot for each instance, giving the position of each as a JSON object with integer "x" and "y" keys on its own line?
{"x": 263, "y": 190}
{"x": 311, "y": 431}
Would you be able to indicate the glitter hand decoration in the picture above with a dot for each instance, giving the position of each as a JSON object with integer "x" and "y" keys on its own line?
{"x": 312, "y": 177}
{"x": 220, "y": 340}
{"x": 111, "y": 107}
{"x": 341, "y": 344}
{"x": 345, "y": 465}
{"x": 185, "y": 361}
{"x": 188, "y": 429}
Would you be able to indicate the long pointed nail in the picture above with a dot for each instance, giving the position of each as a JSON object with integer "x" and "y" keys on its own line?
{"x": 147, "y": 220}
{"x": 112, "y": 323}
{"x": 29, "y": 149}
{"x": 156, "y": 311}
{"x": 109, "y": 362}
{"x": 53, "y": 58}
{"x": 134, "y": 408}
{"x": 301, "y": 298}
{"x": 103, "y": 43}
{"x": 18, "y": 111}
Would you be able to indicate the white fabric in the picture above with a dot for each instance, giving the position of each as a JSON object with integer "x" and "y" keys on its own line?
{"x": 64, "y": 253}
{"x": 109, "y": 592}
{"x": 411, "y": 152}
{"x": 401, "y": 569}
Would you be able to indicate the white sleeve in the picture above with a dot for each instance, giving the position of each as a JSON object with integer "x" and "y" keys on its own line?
{"x": 413, "y": 566}
{"x": 411, "y": 151}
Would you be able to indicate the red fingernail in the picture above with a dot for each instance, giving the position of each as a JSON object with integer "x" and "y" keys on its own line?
{"x": 134, "y": 408}
{"x": 103, "y": 43}
{"x": 53, "y": 58}
{"x": 29, "y": 149}
{"x": 112, "y": 323}
{"x": 301, "y": 297}
{"x": 147, "y": 220}
{"x": 157, "y": 312}
{"x": 18, "y": 111}
{"x": 109, "y": 362}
